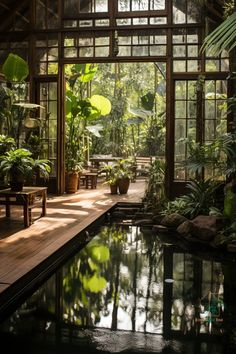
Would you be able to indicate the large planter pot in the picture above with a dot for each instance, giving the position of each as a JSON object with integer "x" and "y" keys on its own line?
{"x": 71, "y": 182}
{"x": 123, "y": 185}
{"x": 114, "y": 188}
{"x": 17, "y": 182}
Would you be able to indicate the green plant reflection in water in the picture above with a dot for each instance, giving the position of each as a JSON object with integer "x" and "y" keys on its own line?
{"x": 85, "y": 281}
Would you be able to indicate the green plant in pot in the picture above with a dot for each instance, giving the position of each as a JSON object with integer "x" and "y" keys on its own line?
{"x": 124, "y": 174}
{"x": 111, "y": 177}
{"x": 18, "y": 164}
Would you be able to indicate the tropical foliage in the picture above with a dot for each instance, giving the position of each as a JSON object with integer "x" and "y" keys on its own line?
{"x": 82, "y": 111}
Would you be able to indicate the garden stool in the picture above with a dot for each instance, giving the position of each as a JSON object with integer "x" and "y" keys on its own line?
{"x": 90, "y": 179}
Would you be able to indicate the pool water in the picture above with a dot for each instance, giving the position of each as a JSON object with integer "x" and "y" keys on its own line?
{"x": 129, "y": 291}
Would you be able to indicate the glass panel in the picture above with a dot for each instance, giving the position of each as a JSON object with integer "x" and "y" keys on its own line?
{"x": 179, "y": 66}
{"x": 209, "y": 130}
{"x": 69, "y": 24}
{"x": 140, "y": 39}
{"x": 101, "y": 5}
{"x": 179, "y": 51}
{"x": 159, "y": 39}
{"x": 124, "y": 5}
{"x": 48, "y": 129}
{"x": 53, "y": 54}
{"x": 70, "y": 52}
{"x": 102, "y": 22}
{"x": 102, "y": 41}
{"x": 140, "y": 21}
{"x": 178, "y": 37}
{"x": 221, "y": 88}
{"x": 212, "y": 65}
{"x": 101, "y": 51}
{"x": 140, "y": 51}
{"x": 192, "y": 90}
{"x": 210, "y": 109}
{"x": 71, "y": 8}
{"x": 180, "y": 89}
{"x": 192, "y": 65}
{"x": 157, "y": 4}
{"x": 124, "y": 51}
{"x": 224, "y": 65}
{"x": 221, "y": 109}
{"x": 86, "y": 6}
{"x": 69, "y": 42}
{"x": 179, "y": 11}
{"x": 179, "y": 172}
{"x": 52, "y": 14}
{"x": 85, "y": 41}
{"x": 52, "y": 68}
{"x": 86, "y": 23}
{"x": 40, "y": 15}
{"x": 180, "y": 129}
{"x": 193, "y": 12}
{"x": 140, "y": 5}
{"x": 41, "y": 54}
{"x": 158, "y": 50}
{"x": 192, "y": 51}
{"x": 192, "y": 109}
{"x": 52, "y": 108}
{"x": 86, "y": 52}
{"x": 192, "y": 38}
{"x": 180, "y": 109}
{"x": 123, "y": 22}
{"x": 209, "y": 88}
{"x": 191, "y": 129}
{"x": 180, "y": 150}
{"x": 158, "y": 20}
{"x": 125, "y": 40}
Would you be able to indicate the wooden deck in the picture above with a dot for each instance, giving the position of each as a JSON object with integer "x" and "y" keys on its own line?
{"x": 22, "y": 251}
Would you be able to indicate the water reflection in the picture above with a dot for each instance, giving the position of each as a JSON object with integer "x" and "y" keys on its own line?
{"x": 124, "y": 280}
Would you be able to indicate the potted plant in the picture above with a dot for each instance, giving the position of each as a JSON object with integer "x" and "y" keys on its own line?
{"x": 111, "y": 177}
{"x": 119, "y": 174}
{"x": 125, "y": 174}
{"x": 18, "y": 164}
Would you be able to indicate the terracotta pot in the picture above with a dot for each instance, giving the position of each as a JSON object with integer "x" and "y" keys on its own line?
{"x": 71, "y": 182}
{"x": 123, "y": 185}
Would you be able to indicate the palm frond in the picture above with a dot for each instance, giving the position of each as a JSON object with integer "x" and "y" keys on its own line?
{"x": 222, "y": 38}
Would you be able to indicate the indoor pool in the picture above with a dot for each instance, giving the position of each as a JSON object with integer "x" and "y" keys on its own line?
{"x": 128, "y": 291}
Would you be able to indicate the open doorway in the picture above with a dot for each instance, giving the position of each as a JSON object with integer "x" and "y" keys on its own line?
{"x": 135, "y": 124}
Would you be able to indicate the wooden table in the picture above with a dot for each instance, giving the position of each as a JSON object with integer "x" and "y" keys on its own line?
{"x": 29, "y": 198}
{"x": 90, "y": 179}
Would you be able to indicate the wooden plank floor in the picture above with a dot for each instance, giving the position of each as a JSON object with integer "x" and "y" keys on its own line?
{"x": 22, "y": 250}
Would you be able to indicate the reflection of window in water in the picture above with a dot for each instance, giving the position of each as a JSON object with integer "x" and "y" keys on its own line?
{"x": 197, "y": 308}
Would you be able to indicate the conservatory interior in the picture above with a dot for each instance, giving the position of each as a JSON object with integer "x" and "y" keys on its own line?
{"x": 118, "y": 176}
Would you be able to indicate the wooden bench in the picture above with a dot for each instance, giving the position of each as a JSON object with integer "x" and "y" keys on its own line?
{"x": 142, "y": 165}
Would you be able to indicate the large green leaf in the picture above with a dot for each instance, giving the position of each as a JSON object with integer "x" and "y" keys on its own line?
{"x": 15, "y": 68}
{"x": 102, "y": 103}
{"x": 94, "y": 284}
{"x": 100, "y": 253}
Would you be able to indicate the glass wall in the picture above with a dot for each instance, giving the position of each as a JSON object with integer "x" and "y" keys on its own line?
{"x": 71, "y": 31}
